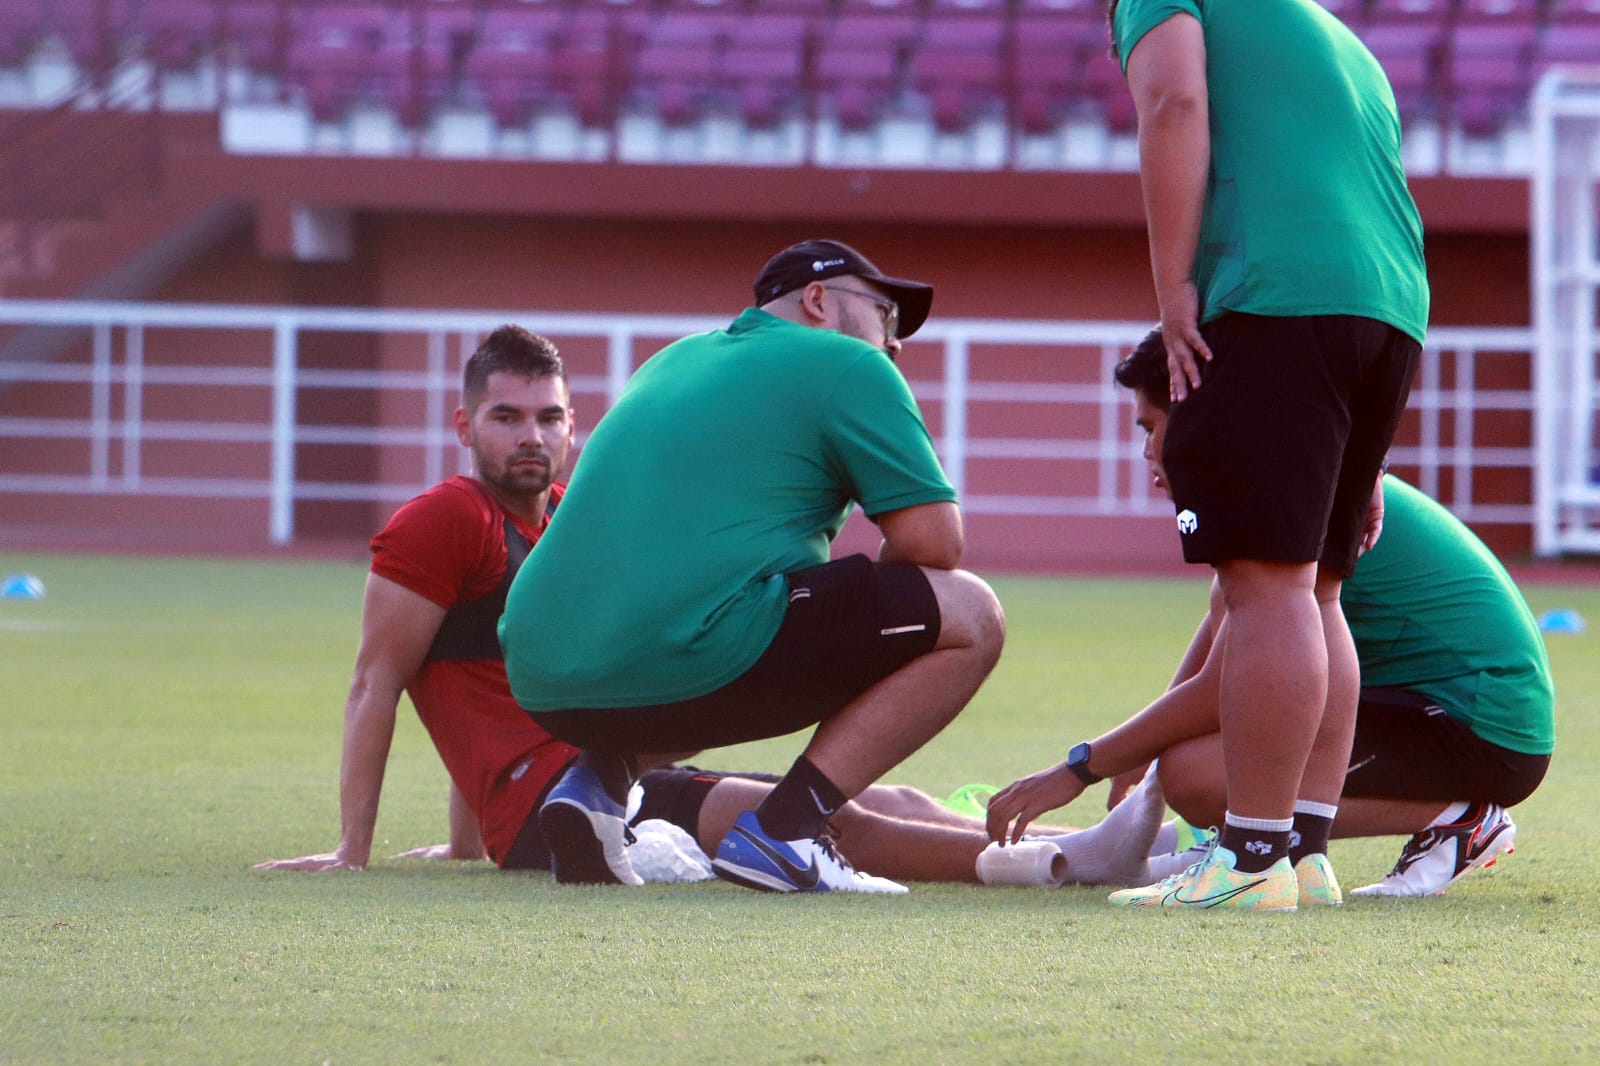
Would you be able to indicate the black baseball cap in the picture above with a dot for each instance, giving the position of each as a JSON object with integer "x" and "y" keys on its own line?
{"x": 800, "y": 264}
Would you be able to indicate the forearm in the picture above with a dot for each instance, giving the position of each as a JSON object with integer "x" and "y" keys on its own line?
{"x": 368, "y": 732}
{"x": 1194, "y": 659}
{"x": 1185, "y": 711}
{"x": 466, "y": 841}
{"x": 929, "y": 534}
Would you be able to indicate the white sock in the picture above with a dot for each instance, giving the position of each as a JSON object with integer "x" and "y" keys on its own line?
{"x": 1451, "y": 813}
{"x": 1164, "y": 866}
{"x": 1115, "y": 851}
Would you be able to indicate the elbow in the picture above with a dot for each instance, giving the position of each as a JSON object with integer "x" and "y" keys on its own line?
{"x": 1176, "y": 107}
{"x": 943, "y": 553}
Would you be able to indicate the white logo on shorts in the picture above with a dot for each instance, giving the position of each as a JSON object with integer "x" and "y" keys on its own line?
{"x": 1188, "y": 521}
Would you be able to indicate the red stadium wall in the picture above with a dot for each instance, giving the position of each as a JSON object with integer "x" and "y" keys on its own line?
{"x": 634, "y": 239}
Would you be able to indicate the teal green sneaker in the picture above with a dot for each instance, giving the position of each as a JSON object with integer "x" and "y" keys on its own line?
{"x": 1318, "y": 886}
{"x": 1215, "y": 882}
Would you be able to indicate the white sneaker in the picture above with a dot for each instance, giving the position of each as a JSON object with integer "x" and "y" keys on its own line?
{"x": 1441, "y": 855}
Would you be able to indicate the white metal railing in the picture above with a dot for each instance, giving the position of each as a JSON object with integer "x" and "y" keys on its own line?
{"x": 1566, "y": 284}
{"x": 119, "y": 436}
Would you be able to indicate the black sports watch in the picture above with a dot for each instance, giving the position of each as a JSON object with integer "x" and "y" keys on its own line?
{"x": 1078, "y": 763}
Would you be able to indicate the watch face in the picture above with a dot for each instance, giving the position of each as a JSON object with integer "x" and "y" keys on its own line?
{"x": 1078, "y": 763}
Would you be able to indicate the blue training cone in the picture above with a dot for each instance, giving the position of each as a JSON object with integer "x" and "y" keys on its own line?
{"x": 21, "y": 587}
{"x": 1564, "y": 620}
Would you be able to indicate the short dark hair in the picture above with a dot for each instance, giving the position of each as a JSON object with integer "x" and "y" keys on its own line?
{"x": 1145, "y": 370}
{"x": 510, "y": 350}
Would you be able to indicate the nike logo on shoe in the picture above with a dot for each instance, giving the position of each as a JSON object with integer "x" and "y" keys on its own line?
{"x": 804, "y": 877}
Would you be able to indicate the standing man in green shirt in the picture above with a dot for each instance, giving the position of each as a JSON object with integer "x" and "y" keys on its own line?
{"x": 693, "y": 546}
{"x": 1288, "y": 267}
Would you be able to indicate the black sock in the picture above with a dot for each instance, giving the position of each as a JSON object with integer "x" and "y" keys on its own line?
{"x": 614, "y": 771}
{"x": 1309, "y": 835}
{"x": 800, "y": 805}
{"x": 1254, "y": 849}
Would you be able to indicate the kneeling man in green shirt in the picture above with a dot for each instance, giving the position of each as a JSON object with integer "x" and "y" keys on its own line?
{"x": 693, "y": 545}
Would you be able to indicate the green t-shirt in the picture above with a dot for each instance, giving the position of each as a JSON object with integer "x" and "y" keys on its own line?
{"x": 1307, "y": 210}
{"x": 1433, "y": 611}
{"x": 732, "y": 458}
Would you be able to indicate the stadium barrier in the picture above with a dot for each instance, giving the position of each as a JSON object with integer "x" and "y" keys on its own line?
{"x": 169, "y": 402}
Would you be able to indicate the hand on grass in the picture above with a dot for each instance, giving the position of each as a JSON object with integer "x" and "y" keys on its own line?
{"x": 1020, "y": 802}
{"x": 312, "y": 863}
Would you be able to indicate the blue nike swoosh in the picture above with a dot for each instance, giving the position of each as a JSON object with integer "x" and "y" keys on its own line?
{"x": 805, "y": 877}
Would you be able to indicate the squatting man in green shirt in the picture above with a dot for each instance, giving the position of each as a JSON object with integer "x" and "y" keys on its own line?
{"x": 1455, "y": 721}
{"x": 695, "y": 533}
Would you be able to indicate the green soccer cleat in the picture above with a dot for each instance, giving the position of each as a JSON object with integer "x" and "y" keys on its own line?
{"x": 1214, "y": 882}
{"x": 1318, "y": 886}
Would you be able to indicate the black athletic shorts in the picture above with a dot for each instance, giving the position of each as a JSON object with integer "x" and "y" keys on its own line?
{"x": 676, "y": 793}
{"x": 529, "y": 851}
{"x": 673, "y": 793}
{"x": 850, "y": 624}
{"x": 1274, "y": 457}
{"x": 1408, "y": 748}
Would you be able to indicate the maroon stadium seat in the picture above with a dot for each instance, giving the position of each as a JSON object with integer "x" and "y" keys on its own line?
{"x": 520, "y": 27}
{"x": 452, "y": 23}
{"x": 971, "y": 32}
{"x": 859, "y": 81}
{"x": 1106, "y": 88}
{"x": 1403, "y": 38}
{"x": 91, "y": 29}
{"x": 771, "y": 31}
{"x": 174, "y": 33}
{"x": 1487, "y": 91}
{"x": 22, "y": 24}
{"x": 859, "y": 30}
{"x": 1351, "y": 12}
{"x": 256, "y": 31}
{"x": 674, "y": 79}
{"x": 958, "y": 83}
{"x": 1491, "y": 40}
{"x": 1576, "y": 43}
{"x": 512, "y": 74}
{"x": 1572, "y": 13}
{"x": 765, "y": 79}
{"x": 582, "y": 76}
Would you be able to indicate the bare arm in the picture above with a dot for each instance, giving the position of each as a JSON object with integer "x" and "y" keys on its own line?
{"x": 1374, "y": 527}
{"x": 1204, "y": 637}
{"x": 1188, "y": 709}
{"x": 466, "y": 840}
{"x": 929, "y": 534}
{"x": 397, "y": 626}
{"x": 1167, "y": 76}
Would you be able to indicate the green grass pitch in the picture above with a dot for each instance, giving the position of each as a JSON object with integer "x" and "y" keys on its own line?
{"x": 164, "y": 724}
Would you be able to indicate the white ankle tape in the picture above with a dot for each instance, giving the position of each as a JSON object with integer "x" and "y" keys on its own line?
{"x": 1028, "y": 862}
